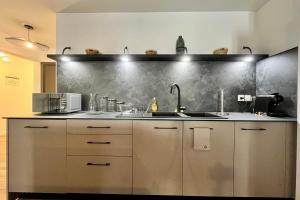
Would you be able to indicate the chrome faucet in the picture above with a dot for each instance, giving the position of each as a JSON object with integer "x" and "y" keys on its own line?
{"x": 179, "y": 107}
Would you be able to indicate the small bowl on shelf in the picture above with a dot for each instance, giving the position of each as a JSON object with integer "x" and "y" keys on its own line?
{"x": 221, "y": 51}
{"x": 92, "y": 52}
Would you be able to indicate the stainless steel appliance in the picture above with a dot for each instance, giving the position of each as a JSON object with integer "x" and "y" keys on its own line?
{"x": 56, "y": 102}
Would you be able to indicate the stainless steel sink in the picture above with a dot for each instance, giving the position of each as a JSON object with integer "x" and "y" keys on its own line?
{"x": 166, "y": 114}
{"x": 203, "y": 115}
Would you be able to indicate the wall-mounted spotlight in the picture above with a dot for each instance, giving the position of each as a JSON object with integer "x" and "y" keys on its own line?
{"x": 2, "y": 54}
{"x": 125, "y": 58}
{"x": 249, "y": 59}
{"x": 66, "y": 48}
{"x": 65, "y": 59}
{"x": 185, "y": 58}
{"x": 248, "y": 48}
{"x": 5, "y": 59}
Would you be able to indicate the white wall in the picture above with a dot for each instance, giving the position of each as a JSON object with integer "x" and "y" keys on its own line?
{"x": 110, "y": 32}
{"x": 277, "y": 26}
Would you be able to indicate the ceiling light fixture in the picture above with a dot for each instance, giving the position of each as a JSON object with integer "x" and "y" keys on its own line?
{"x": 5, "y": 59}
{"x": 27, "y": 42}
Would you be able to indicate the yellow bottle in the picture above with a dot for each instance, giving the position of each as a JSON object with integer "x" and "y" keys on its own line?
{"x": 154, "y": 105}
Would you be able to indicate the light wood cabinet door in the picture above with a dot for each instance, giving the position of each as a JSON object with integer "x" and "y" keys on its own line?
{"x": 208, "y": 172}
{"x": 157, "y": 157}
{"x": 259, "y": 165}
{"x": 37, "y": 155}
{"x": 99, "y": 174}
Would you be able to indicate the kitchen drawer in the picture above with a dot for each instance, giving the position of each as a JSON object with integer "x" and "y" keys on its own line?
{"x": 105, "y": 145}
{"x": 99, "y": 174}
{"x": 99, "y": 127}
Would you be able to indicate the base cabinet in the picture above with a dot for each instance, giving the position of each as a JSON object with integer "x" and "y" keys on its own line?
{"x": 37, "y": 156}
{"x": 262, "y": 159}
{"x": 157, "y": 157}
{"x": 152, "y": 157}
{"x": 208, "y": 172}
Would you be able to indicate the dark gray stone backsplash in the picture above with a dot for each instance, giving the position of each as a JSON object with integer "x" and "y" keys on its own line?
{"x": 279, "y": 74}
{"x": 139, "y": 82}
{"x": 200, "y": 82}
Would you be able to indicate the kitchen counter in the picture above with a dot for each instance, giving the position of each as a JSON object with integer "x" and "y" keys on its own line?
{"x": 233, "y": 116}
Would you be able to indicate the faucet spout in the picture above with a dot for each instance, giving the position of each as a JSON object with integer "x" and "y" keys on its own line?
{"x": 173, "y": 87}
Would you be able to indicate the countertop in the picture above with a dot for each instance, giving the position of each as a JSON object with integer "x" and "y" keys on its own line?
{"x": 233, "y": 116}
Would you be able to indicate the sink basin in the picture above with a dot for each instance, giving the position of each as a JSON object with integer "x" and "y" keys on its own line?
{"x": 202, "y": 115}
{"x": 165, "y": 114}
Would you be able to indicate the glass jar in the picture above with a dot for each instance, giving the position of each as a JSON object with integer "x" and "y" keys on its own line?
{"x": 93, "y": 102}
{"x": 103, "y": 104}
{"x": 120, "y": 106}
{"x": 112, "y": 105}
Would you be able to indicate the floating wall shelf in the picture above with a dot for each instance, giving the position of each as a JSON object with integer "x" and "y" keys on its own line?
{"x": 159, "y": 57}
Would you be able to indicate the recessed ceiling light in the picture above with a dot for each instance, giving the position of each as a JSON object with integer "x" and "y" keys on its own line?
{"x": 65, "y": 59}
{"x": 5, "y": 59}
{"x": 186, "y": 59}
{"x": 125, "y": 58}
{"x": 249, "y": 59}
{"x": 2, "y": 54}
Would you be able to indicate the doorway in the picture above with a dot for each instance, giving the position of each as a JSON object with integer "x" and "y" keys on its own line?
{"x": 48, "y": 77}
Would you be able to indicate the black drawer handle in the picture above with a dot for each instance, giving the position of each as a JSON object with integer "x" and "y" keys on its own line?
{"x": 202, "y": 127}
{"x": 35, "y": 126}
{"x": 98, "y": 164}
{"x": 165, "y": 128}
{"x": 98, "y": 127}
{"x": 253, "y": 129}
{"x": 91, "y": 142}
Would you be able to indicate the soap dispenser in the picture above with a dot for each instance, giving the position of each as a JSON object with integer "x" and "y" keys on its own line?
{"x": 154, "y": 105}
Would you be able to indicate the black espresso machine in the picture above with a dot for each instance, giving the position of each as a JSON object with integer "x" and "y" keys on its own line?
{"x": 269, "y": 104}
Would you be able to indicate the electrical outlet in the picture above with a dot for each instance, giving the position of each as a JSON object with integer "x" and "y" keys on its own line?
{"x": 244, "y": 98}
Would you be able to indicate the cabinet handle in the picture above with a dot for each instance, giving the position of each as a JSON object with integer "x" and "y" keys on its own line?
{"x": 165, "y": 128}
{"x": 91, "y": 142}
{"x": 98, "y": 164}
{"x": 35, "y": 126}
{"x": 202, "y": 127}
{"x": 253, "y": 129}
{"x": 98, "y": 127}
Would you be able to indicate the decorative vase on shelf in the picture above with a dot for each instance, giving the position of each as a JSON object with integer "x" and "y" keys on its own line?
{"x": 180, "y": 46}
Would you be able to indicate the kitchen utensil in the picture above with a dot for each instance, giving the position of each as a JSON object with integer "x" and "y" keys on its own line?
{"x": 120, "y": 105}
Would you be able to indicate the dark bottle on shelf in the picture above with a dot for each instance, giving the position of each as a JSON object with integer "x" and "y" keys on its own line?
{"x": 180, "y": 46}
